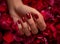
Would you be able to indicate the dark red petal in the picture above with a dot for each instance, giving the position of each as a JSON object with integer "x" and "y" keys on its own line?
{"x": 8, "y": 37}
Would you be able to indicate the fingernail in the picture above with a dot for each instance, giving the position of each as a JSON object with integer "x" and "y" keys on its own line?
{"x": 36, "y": 16}
{"x": 28, "y": 15}
{"x": 19, "y": 21}
{"x": 23, "y": 19}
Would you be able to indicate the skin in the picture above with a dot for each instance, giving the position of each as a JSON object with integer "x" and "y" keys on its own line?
{"x": 18, "y": 10}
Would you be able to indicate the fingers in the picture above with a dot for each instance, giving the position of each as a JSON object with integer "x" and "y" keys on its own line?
{"x": 32, "y": 24}
{"x": 28, "y": 25}
{"x": 17, "y": 19}
{"x": 39, "y": 20}
{"x": 26, "y": 28}
{"x": 20, "y": 27}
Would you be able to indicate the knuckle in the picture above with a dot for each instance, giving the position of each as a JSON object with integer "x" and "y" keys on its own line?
{"x": 31, "y": 24}
{"x": 25, "y": 27}
{"x": 19, "y": 26}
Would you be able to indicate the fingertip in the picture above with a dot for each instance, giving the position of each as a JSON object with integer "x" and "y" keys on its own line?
{"x": 28, "y": 34}
{"x": 35, "y": 31}
{"x": 43, "y": 28}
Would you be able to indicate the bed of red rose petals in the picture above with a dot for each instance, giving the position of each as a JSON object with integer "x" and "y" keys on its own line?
{"x": 50, "y": 9}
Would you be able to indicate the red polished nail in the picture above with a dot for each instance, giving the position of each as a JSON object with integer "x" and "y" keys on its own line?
{"x": 36, "y": 16}
{"x": 28, "y": 15}
{"x": 23, "y": 19}
{"x": 19, "y": 21}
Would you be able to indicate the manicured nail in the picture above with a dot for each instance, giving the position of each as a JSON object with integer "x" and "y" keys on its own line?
{"x": 19, "y": 21}
{"x": 36, "y": 16}
{"x": 23, "y": 19}
{"x": 28, "y": 15}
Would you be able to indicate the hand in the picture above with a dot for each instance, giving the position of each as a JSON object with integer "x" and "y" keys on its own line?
{"x": 27, "y": 18}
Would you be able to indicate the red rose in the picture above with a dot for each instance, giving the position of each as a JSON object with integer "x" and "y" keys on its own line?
{"x": 5, "y": 21}
{"x": 58, "y": 26}
{"x": 8, "y": 37}
{"x": 3, "y": 7}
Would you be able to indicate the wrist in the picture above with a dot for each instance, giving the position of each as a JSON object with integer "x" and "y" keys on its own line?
{"x": 12, "y": 3}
